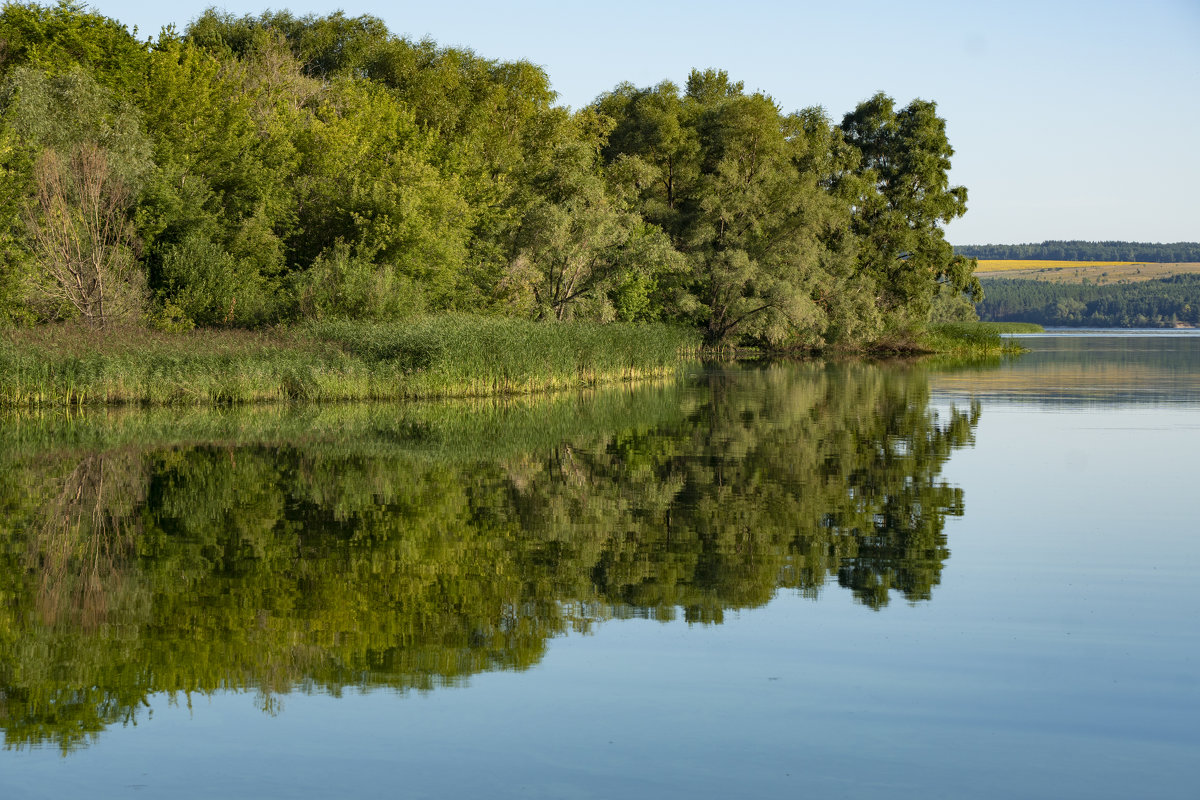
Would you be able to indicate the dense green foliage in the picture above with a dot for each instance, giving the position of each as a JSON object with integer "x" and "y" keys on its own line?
{"x": 1173, "y": 252}
{"x": 253, "y": 170}
{"x": 442, "y": 356}
{"x": 1161, "y": 303}
{"x": 316, "y": 548}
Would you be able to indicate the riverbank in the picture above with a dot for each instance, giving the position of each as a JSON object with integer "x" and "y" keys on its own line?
{"x": 446, "y": 356}
{"x": 977, "y": 338}
{"x": 433, "y": 357}
{"x": 968, "y": 340}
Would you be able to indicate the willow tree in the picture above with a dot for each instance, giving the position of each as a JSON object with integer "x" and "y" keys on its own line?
{"x": 727, "y": 177}
{"x": 905, "y": 199}
{"x": 581, "y": 249}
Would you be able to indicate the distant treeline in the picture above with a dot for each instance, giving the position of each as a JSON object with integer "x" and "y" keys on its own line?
{"x": 1086, "y": 251}
{"x": 247, "y": 171}
{"x": 1161, "y": 303}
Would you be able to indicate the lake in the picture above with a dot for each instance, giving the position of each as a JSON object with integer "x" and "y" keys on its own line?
{"x": 836, "y": 580}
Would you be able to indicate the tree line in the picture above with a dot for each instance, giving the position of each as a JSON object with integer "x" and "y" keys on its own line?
{"x": 262, "y": 169}
{"x": 1154, "y": 252}
{"x": 1161, "y": 303}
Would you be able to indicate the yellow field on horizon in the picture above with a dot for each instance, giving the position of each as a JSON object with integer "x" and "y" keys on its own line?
{"x": 1003, "y": 265}
{"x": 1078, "y": 271}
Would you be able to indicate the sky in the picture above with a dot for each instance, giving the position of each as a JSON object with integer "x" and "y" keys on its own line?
{"x": 1069, "y": 120}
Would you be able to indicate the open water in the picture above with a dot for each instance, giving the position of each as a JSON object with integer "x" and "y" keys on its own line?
{"x": 827, "y": 580}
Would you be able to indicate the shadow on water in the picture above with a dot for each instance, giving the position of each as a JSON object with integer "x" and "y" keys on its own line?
{"x": 319, "y": 549}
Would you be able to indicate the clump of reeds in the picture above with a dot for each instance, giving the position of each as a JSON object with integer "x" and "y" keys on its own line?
{"x": 472, "y": 356}
{"x": 976, "y": 338}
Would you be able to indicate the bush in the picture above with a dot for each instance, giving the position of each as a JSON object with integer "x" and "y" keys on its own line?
{"x": 342, "y": 285}
{"x": 206, "y": 285}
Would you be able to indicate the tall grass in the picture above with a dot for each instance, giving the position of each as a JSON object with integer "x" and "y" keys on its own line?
{"x": 447, "y": 356}
{"x": 976, "y": 338}
{"x": 475, "y": 356}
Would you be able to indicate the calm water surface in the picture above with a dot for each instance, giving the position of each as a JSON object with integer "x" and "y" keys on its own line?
{"x": 825, "y": 580}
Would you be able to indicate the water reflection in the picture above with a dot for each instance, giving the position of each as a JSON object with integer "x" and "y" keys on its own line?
{"x": 410, "y": 547}
{"x": 1098, "y": 369}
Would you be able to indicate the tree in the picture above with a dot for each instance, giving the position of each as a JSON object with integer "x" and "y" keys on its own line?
{"x": 67, "y": 36}
{"x": 903, "y": 200}
{"x": 730, "y": 180}
{"x": 365, "y": 179}
{"x": 78, "y": 160}
{"x": 82, "y": 238}
{"x": 581, "y": 248}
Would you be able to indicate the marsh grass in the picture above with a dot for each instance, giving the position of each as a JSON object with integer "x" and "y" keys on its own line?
{"x": 953, "y": 340}
{"x": 976, "y": 338}
{"x": 446, "y": 356}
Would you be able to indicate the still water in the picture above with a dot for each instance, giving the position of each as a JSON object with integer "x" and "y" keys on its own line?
{"x": 835, "y": 580}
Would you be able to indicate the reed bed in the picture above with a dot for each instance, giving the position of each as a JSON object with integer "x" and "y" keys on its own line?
{"x": 447, "y": 356}
{"x": 976, "y": 339}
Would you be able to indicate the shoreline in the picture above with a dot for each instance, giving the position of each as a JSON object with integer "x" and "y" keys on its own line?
{"x": 450, "y": 356}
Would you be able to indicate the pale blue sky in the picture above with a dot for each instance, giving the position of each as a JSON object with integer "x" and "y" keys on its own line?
{"x": 1071, "y": 120}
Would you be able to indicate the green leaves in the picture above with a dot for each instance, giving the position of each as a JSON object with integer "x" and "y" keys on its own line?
{"x": 905, "y": 197}
{"x": 732, "y": 181}
{"x": 322, "y": 165}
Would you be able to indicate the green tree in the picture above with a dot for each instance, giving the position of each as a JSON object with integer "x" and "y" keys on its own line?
{"x": 581, "y": 250}
{"x": 732, "y": 182}
{"x": 218, "y": 213}
{"x": 905, "y": 198}
{"x": 365, "y": 179}
{"x": 66, "y": 36}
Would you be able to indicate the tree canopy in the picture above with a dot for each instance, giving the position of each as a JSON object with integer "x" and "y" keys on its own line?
{"x": 1161, "y": 303}
{"x": 274, "y": 167}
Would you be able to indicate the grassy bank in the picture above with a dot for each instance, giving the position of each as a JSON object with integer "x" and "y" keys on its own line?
{"x": 433, "y": 357}
{"x": 956, "y": 339}
{"x": 445, "y": 356}
{"x": 976, "y": 338}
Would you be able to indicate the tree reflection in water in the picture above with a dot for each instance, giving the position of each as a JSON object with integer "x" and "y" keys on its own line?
{"x": 410, "y": 547}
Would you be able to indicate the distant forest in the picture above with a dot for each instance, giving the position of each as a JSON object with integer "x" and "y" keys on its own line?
{"x": 1085, "y": 251}
{"x": 1162, "y": 303}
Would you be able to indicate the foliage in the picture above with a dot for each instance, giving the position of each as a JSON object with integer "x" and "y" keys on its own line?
{"x": 1173, "y": 252}
{"x": 342, "y": 284}
{"x": 203, "y": 283}
{"x": 81, "y": 157}
{"x": 1162, "y": 303}
{"x": 277, "y": 168}
{"x": 905, "y": 197}
{"x": 82, "y": 239}
{"x": 724, "y": 174}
